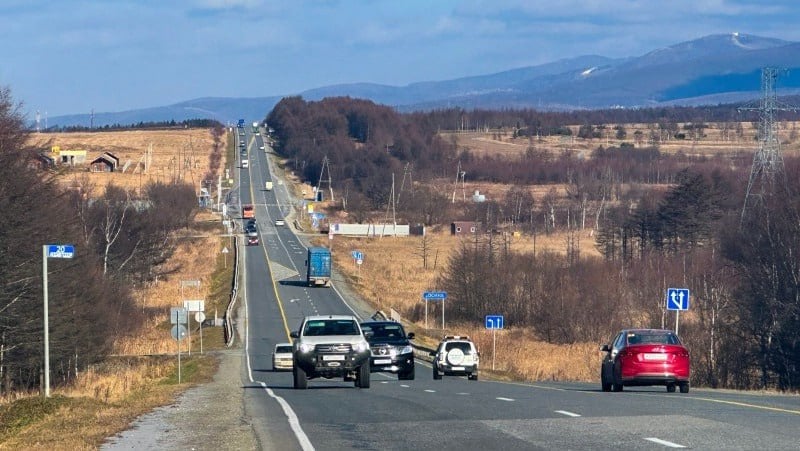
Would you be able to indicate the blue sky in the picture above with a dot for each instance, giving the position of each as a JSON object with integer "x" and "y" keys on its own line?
{"x": 72, "y": 56}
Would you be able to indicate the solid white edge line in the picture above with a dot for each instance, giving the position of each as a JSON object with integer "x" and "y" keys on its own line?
{"x": 664, "y": 442}
{"x": 294, "y": 422}
{"x": 567, "y": 413}
{"x": 500, "y": 398}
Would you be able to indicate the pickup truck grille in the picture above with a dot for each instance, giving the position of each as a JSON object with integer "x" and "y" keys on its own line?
{"x": 333, "y": 348}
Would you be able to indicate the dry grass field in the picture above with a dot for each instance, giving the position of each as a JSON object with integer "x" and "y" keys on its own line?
{"x": 150, "y": 155}
{"x": 716, "y": 140}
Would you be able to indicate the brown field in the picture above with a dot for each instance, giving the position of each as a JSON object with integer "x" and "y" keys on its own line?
{"x": 716, "y": 140}
{"x": 181, "y": 154}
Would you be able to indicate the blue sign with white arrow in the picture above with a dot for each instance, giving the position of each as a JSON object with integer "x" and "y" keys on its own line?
{"x": 434, "y": 295}
{"x": 494, "y": 321}
{"x": 677, "y": 299}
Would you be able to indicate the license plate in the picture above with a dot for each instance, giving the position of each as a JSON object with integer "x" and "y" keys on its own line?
{"x": 650, "y": 357}
{"x": 332, "y": 357}
{"x": 334, "y": 363}
{"x": 457, "y": 368}
{"x": 383, "y": 361}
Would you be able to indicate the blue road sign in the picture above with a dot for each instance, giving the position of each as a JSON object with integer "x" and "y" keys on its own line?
{"x": 60, "y": 251}
{"x": 677, "y": 299}
{"x": 494, "y": 321}
{"x": 357, "y": 255}
{"x": 434, "y": 295}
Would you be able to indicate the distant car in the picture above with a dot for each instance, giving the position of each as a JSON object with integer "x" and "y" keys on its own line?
{"x": 280, "y": 222}
{"x": 390, "y": 348}
{"x": 251, "y": 230}
{"x": 260, "y": 147}
{"x": 252, "y": 240}
{"x": 282, "y": 357}
{"x": 251, "y": 221}
{"x": 456, "y": 355}
{"x": 638, "y": 357}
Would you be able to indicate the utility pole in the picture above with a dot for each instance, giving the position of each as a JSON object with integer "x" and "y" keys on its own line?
{"x": 325, "y": 165}
{"x": 767, "y": 161}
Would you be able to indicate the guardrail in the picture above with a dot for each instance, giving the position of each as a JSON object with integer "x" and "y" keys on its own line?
{"x": 230, "y": 334}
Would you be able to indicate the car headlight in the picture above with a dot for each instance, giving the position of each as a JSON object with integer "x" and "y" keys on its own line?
{"x": 361, "y": 346}
{"x": 406, "y": 350}
{"x": 305, "y": 347}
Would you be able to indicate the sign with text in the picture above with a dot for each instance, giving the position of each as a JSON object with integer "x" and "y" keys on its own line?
{"x": 60, "y": 251}
{"x": 434, "y": 295}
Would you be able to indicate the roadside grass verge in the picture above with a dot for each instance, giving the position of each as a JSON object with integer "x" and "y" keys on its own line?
{"x": 69, "y": 420}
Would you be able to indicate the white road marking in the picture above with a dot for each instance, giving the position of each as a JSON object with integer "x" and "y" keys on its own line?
{"x": 404, "y": 385}
{"x": 569, "y": 414}
{"x": 463, "y": 394}
{"x": 500, "y": 398}
{"x": 294, "y": 422}
{"x": 664, "y": 442}
{"x": 431, "y": 391}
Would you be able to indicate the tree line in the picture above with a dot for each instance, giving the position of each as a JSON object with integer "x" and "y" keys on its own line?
{"x": 121, "y": 239}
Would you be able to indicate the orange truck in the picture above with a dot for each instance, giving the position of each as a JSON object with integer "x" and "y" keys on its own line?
{"x": 248, "y": 211}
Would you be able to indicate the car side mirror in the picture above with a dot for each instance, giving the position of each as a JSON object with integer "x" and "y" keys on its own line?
{"x": 432, "y": 353}
{"x": 410, "y": 335}
{"x": 305, "y": 263}
{"x": 369, "y": 334}
{"x": 605, "y": 348}
{"x": 294, "y": 334}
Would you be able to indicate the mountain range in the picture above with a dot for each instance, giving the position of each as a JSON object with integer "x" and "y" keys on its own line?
{"x": 714, "y": 69}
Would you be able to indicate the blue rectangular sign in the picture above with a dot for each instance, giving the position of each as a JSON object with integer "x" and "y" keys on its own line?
{"x": 677, "y": 299}
{"x": 60, "y": 251}
{"x": 434, "y": 295}
{"x": 494, "y": 321}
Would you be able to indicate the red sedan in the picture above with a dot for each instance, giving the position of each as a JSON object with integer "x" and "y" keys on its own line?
{"x": 639, "y": 357}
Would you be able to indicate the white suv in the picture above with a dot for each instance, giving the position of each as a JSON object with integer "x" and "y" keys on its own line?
{"x": 456, "y": 356}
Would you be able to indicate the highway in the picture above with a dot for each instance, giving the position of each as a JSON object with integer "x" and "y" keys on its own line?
{"x": 454, "y": 413}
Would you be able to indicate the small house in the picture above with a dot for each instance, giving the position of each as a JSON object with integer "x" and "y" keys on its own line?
{"x": 464, "y": 227}
{"x": 103, "y": 163}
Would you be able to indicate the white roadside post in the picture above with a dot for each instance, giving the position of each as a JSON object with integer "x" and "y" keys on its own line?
{"x": 50, "y": 251}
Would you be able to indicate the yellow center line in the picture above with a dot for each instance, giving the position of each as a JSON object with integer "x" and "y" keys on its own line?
{"x": 269, "y": 264}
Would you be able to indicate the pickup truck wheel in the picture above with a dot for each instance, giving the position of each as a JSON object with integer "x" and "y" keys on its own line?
{"x": 436, "y": 375}
{"x": 300, "y": 380}
{"x": 407, "y": 376}
{"x": 362, "y": 379}
{"x": 473, "y": 377}
{"x": 684, "y": 387}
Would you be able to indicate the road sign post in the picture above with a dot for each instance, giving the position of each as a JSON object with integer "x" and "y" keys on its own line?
{"x": 677, "y": 299}
{"x": 178, "y": 317}
{"x": 434, "y": 296}
{"x": 50, "y": 251}
{"x": 494, "y": 322}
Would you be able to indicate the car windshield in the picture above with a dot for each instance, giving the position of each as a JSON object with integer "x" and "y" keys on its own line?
{"x": 331, "y": 327}
{"x": 657, "y": 338}
{"x": 283, "y": 349}
{"x": 391, "y": 331}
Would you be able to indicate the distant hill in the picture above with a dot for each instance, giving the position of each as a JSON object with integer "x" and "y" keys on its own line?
{"x": 709, "y": 70}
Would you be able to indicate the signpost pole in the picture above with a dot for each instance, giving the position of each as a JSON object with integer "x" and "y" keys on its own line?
{"x": 442, "y": 315}
{"x": 179, "y": 354}
{"x": 677, "y": 315}
{"x": 494, "y": 345}
{"x": 46, "y": 326}
{"x": 426, "y": 313}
